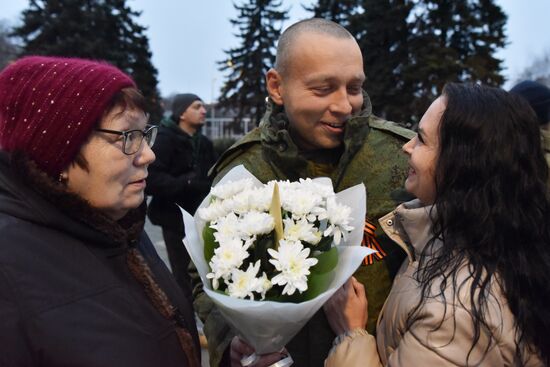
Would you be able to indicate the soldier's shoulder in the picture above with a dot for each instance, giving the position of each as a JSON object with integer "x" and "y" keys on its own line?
{"x": 235, "y": 154}
{"x": 390, "y": 128}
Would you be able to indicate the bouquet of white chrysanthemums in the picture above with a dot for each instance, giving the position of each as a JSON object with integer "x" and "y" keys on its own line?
{"x": 263, "y": 241}
{"x": 270, "y": 255}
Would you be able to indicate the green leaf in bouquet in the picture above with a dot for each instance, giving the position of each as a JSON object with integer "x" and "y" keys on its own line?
{"x": 260, "y": 250}
{"x": 317, "y": 284}
{"x": 327, "y": 261}
{"x": 209, "y": 242}
{"x": 220, "y": 291}
{"x": 274, "y": 294}
{"x": 324, "y": 244}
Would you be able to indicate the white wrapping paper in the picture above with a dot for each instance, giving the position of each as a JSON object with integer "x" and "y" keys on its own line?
{"x": 266, "y": 325}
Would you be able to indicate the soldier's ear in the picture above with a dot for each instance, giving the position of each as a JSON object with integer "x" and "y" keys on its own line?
{"x": 274, "y": 86}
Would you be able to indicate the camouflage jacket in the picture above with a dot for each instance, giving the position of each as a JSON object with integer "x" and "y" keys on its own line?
{"x": 371, "y": 155}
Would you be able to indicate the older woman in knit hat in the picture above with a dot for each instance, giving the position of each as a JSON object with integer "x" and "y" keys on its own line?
{"x": 80, "y": 282}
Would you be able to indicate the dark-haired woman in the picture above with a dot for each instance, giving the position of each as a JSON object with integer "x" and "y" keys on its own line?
{"x": 475, "y": 289}
{"x": 80, "y": 282}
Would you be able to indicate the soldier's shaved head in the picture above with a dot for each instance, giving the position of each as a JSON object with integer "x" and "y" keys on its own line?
{"x": 291, "y": 34}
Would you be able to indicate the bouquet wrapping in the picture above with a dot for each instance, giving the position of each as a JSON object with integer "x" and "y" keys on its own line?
{"x": 268, "y": 298}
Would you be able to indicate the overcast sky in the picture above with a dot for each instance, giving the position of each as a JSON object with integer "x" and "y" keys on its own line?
{"x": 188, "y": 37}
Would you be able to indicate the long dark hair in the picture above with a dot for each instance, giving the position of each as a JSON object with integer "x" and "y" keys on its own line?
{"x": 492, "y": 211}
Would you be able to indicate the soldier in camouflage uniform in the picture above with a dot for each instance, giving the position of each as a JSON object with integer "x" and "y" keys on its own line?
{"x": 318, "y": 123}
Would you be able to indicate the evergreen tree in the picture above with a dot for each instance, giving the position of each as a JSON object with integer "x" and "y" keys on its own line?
{"x": 8, "y": 48}
{"x": 95, "y": 29}
{"x": 382, "y": 31}
{"x": 338, "y": 11}
{"x": 411, "y": 48}
{"x": 244, "y": 90}
{"x": 453, "y": 41}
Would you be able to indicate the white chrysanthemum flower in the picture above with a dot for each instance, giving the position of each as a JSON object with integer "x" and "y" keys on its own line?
{"x": 301, "y": 230}
{"x": 226, "y": 228}
{"x": 228, "y": 256}
{"x": 213, "y": 211}
{"x": 256, "y": 223}
{"x": 316, "y": 214}
{"x": 284, "y": 188}
{"x": 215, "y": 281}
{"x": 230, "y": 189}
{"x": 263, "y": 285}
{"x": 239, "y": 203}
{"x": 249, "y": 241}
{"x": 283, "y": 184}
{"x": 260, "y": 199}
{"x": 215, "y": 276}
{"x": 338, "y": 216}
{"x": 243, "y": 283}
{"x": 324, "y": 190}
{"x": 292, "y": 261}
{"x": 301, "y": 203}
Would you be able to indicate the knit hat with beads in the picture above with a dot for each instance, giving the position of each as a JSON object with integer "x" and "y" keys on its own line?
{"x": 49, "y": 106}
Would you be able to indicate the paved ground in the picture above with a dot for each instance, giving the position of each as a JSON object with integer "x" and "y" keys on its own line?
{"x": 155, "y": 234}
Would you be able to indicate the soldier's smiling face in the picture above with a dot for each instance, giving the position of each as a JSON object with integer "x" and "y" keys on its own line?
{"x": 320, "y": 90}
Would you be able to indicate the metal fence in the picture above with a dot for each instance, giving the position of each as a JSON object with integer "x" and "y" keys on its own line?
{"x": 226, "y": 127}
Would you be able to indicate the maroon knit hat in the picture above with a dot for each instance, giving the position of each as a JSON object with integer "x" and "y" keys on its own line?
{"x": 49, "y": 106}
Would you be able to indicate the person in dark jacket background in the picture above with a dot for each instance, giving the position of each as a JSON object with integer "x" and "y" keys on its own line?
{"x": 538, "y": 96}
{"x": 179, "y": 176}
{"x": 80, "y": 282}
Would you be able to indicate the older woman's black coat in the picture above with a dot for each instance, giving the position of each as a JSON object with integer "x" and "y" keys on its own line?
{"x": 67, "y": 296}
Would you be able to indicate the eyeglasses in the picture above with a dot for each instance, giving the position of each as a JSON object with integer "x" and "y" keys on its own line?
{"x": 134, "y": 138}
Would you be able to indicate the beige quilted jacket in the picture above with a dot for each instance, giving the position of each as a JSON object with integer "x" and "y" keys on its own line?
{"x": 420, "y": 345}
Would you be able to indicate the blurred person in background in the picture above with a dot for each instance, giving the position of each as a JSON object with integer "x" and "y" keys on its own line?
{"x": 538, "y": 96}
{"x": 179, "y": 176}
